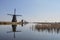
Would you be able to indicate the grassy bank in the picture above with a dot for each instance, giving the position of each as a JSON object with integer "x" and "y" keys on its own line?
{"x": 1, "y": 23}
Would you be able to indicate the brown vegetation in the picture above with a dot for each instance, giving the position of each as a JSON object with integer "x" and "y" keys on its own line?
{"x": 5, "y": 23}
{"x": 47, "y": 26}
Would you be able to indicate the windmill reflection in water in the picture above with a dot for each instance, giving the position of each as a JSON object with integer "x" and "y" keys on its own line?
{"x": 14, "y": 29}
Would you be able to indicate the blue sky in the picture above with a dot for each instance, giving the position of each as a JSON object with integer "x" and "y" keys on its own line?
{"x": 32, "y": 10}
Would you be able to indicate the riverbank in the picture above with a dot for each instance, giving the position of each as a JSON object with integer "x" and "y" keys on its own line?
{"x": 7, "y": 23}
{"x": 13, "y": 23}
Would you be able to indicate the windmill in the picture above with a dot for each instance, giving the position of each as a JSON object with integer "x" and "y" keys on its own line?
{"x": 14, "y": 19}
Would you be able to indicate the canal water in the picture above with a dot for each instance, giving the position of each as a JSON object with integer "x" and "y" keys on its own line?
{"x": 27, "y": 32}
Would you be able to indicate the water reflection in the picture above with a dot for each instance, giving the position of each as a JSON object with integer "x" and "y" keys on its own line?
{"x": 46, "y": 27}
{"x": 38, "y": 32}
{"x": 14, "y": 30}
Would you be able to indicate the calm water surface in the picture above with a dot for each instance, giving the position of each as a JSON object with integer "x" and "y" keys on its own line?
{"x": 27, "y": 32}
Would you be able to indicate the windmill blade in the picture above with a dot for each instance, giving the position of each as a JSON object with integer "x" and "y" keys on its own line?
{"x": 18, "y": 31}
{"x": 9, "y": 31}
{"x": 10, "y": 14}
{"x": 12, "y": 31}
{"x": 14, "y": 11}
{"x": 18, "y": 15}
{"x": 14, "y": 14}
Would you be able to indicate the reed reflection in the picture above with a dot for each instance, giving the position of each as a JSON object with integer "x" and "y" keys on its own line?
{"x": 47, "y": 27}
